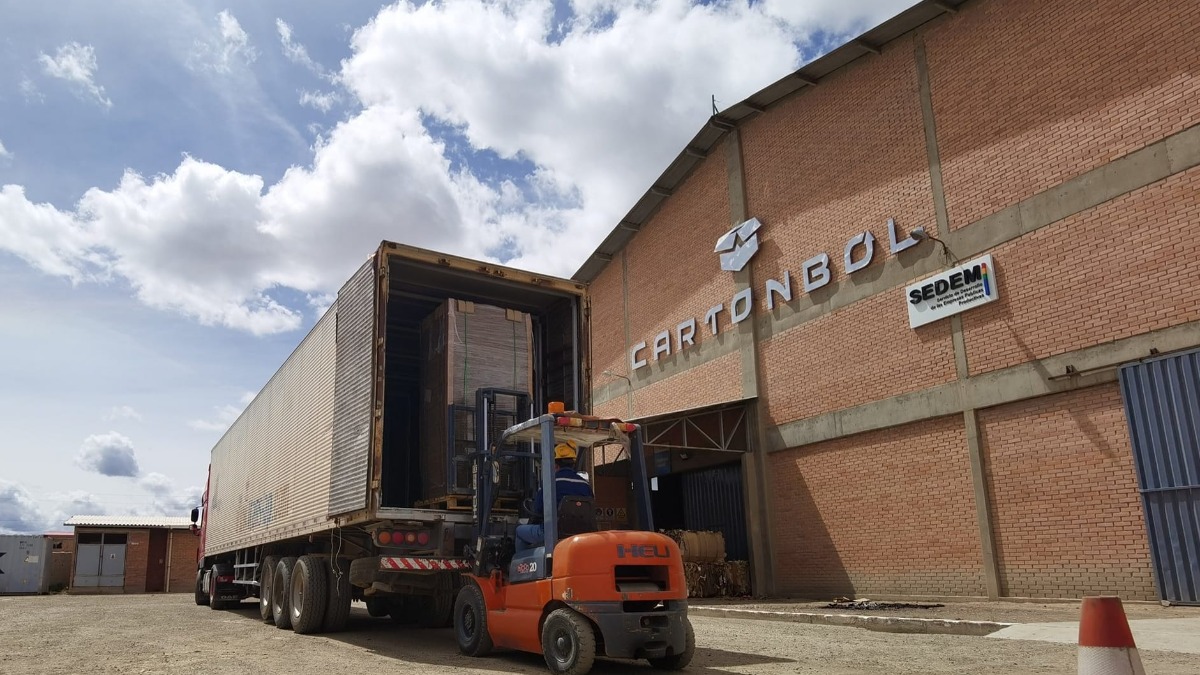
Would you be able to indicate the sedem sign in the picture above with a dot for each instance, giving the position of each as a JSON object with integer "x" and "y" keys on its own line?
{"x": 955, "y": 290}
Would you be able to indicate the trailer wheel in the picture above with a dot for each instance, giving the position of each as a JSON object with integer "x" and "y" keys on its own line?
{"x": 201, "y": 596}
{"x": 280, "y": 586}
{"x": 436, "y": 611}
{"x": 682, "y": 659}
{"x": 337, "y": 609}
{"x": 308, "y": 594}
{"x": 568, "y": 643}
{"x": 265, "y": 577}
{"x": 470, "y": 621}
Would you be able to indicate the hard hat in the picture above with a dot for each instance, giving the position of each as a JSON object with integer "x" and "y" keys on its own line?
{"x": 565, "y": 450}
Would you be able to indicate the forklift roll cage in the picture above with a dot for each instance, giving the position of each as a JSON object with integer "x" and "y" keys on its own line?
{"x": 544, "y": 431}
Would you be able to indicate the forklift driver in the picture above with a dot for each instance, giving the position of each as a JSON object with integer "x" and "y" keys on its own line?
{"x": 566, "y": 483}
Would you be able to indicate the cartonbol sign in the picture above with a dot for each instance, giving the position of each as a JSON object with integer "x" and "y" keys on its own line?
{"x": 736, "y": 248}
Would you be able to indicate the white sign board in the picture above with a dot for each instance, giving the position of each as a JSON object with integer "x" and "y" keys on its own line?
{"x": 955, "y": 290}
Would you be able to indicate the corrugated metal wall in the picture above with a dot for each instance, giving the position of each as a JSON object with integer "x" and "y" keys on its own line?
{"x": 270, "y": 472}
{"x": 712, "y": 500}
{"x": 352, "y": 430}
{"x": 24, "y": 564}
{"x": 1162, "y": 402}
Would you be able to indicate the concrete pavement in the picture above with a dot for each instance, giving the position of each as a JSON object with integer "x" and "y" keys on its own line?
{"x": 1172, "y": 629}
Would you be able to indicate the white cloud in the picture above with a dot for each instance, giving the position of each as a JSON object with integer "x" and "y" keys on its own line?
{"x": 123, "y": 412}
{"x": 598, "y": 111}
{"x": 166, "y": 499}
{"x": 323, "y": 101}
{"x": 77, "y": 503}
{"x": 30, "y": 91}
{"x": 4, "y": 153}
{"x": 225, "y": 415}
{"x": 19, "y": 514}
{"x": 108, "y": 454}
{"x": 228, "y": 46}
{"x": 76, "y": 63}
{"x": 296, "y": 52}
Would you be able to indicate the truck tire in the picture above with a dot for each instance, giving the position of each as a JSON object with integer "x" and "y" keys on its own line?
{"x": 681, "y": 660}
{"x": 435, "y": 611}
{"x": 281, "y": 584}
{"x": 213, "y": 602}
{"x": 265, "y": 576}
{"x": 377, "y": 607}
{"x": 337, "y": 609}
{"x": 201, "y": 596}
{"x": 568, "y": 643}
{"x": 471, "y": 622}
{"x": 308, "y": 594}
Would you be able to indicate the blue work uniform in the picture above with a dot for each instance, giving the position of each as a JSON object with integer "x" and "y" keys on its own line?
{"x": 567, "y": 483}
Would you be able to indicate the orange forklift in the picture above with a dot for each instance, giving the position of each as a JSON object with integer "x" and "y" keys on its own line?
{"x": 617, "y": 593}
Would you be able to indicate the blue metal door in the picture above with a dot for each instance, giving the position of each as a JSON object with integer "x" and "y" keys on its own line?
{"x": 1162, "y": 405}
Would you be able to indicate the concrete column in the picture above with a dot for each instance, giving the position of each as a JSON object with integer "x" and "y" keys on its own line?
{"x": 625, "y": 323}
{"x": 746, "y": 335}
{"x": 983, "y": 517}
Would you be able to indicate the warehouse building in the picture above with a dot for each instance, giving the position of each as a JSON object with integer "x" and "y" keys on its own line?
{"x": 949, "y": 346}
{"x": 133, "y": 554}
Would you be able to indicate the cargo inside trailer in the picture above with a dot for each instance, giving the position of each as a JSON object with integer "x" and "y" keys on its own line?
{"x": 416, "y": 291}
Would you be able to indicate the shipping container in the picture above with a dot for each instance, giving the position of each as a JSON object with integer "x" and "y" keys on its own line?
{"x": 350, "y": 452}
{"x": 24, "y": 564}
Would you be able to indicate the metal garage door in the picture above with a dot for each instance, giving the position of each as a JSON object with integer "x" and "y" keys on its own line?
{"x": 100, "y": 560}
{"x": 1162, "y": 404}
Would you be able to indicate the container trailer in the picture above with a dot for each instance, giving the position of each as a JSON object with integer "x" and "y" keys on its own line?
{"x": 348, "y": 476}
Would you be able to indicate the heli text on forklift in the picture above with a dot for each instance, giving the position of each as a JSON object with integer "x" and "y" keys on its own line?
{"x": 392, "y": 456}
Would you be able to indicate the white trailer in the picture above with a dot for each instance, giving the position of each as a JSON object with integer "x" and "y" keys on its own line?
{"x": 313, "y": 494}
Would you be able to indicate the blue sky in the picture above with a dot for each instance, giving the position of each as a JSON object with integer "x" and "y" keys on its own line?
{"x": 183, "y": 185}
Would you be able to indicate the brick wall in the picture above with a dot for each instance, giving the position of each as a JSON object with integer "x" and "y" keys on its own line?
{"x": 1066, "y": 515}
{"x": 608, "y": 323}
{"x": 673, "y": 273}
{"x": 137, "y": 551}
{"x": 879, "y": 513}
{"x": 183, "y": 545}
{"x": 1028, "y": 93}
{"x": 836, "y": 160}
{"x": 717, "y": 381}
{"x": 1111, "y": 272}
{"x": 855, "y": 355}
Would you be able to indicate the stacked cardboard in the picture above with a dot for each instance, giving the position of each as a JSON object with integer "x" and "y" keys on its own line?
{"x": 465, "y": 347}
{"x": 705, "y": 569}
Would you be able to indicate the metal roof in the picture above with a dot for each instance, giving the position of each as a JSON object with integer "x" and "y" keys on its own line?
{"x": 130, "y": 521}
{"x": 706, "y": 140}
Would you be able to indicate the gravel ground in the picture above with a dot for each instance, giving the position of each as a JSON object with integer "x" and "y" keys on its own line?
{"x": 170, "y": 634}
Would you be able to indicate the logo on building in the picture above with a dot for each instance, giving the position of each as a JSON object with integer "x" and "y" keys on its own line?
{"x": 738, "y": 245}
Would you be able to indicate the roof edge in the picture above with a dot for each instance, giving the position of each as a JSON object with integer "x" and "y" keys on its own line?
{"x": 719, "y": 125}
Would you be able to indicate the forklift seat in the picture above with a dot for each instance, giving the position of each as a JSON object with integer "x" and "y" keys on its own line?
{"x": 576, "y": 515}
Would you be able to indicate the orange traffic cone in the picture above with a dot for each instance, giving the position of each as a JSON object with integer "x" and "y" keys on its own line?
{"x": 1105, "y": 642}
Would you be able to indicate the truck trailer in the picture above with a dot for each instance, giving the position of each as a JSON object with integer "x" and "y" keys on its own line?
{"x": 319, "y": 493}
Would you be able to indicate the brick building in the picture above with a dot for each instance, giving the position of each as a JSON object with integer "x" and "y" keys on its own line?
{"x": 966, "y": 321}
{"x": 133, "y": 554}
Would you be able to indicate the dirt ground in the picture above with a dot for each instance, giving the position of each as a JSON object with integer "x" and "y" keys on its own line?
{"x": 170, "y": 634}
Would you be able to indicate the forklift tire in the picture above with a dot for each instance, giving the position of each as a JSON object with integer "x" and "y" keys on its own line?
{"x": 681, "y": 660}
{"x": 265, "y": 577}
{"x": 470, "y": 621}
{"x": 568, "y": 642}
{"x": 201, "y": 596}
{"x": 281, "y": 587}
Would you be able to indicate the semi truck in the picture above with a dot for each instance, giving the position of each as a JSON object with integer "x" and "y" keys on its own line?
{"x": 317, "y": 495}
